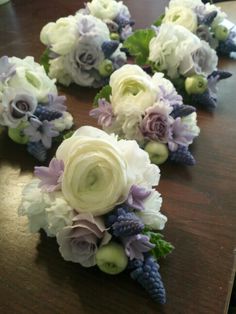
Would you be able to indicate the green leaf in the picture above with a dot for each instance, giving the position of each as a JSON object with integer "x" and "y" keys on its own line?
{"x": 158, "y": 22}
{"x": 138, "y": 45}
{"x": 162, "y": 247}
{"x": 105, "y": 92}
{"x": 44, "y": 60}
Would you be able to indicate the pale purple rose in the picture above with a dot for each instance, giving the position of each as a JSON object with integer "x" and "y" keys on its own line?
{"x": 50, "y": 176}
{"x": 136, "y": 245}
{"x": 156, "y": 123}
{"x": 79, "y": 242}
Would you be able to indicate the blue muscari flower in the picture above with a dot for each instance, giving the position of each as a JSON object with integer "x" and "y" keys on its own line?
{"x": 37, "y": 150}
{"x": 43, "y": 113}
{"x": 123, "y": 222}
{"x": 146, "y": 273}
{"x": 182, "y": 155}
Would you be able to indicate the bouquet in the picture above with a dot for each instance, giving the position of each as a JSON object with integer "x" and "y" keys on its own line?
{"x": 79, "y": 50}
{"x": 149, "y": 110}
{"x": 30, "y": 107}
{"x": 189, "y": 62}
{"x": 101, "y": 206}
{"x": 207, "y": 21}
{"x": 115, "y": 14}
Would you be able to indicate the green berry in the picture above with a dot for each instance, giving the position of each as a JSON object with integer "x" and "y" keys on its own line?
{"x": 106, "y": 68}
{"x": 17, "y": 134}
{"x": 196, "y": 84}
{"x": 221, "y": 32}
{"x": 158, "y": 152}
{"x": 114, "y": 36}
{"x": 111, "y": 258}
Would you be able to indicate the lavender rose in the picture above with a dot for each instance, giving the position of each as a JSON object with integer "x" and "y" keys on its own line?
{"x": 83, "y": 62}
{"x": 79, "y": 242}
{"x": 156, "y": 123}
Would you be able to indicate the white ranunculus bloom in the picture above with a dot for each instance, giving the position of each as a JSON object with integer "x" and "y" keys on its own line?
{"x": 191, "y": 122}
{"x": 95, "y": 176}
{"x": 61, "y": 35}
{"x": 33, "y": 205}
{"x": 132, "y": 90}
{"x": 105, "y": 9}
{"x": 151, "y": 215}
{"x": 99, "y": 170}
{"x": 185, "y": 3}
{"x": 181, "y": 15}
{"x": 59, "y": 214}
{"x": 172, "y": 49}
{"x": 32, "y": 77}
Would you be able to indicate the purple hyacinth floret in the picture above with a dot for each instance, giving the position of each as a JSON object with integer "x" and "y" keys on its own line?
{"x": 56, "y": 103}
{"x": 136, "y": 245}
{"x": 123, "y": 223}
{"x": 6, "y": 68}
{"x": 136, "y": 197}
{"x": 37, "y": 150}
{"x": 44, "y": 113}
{"x": 50, "y": 176}
{"x": 182, "y": 111}
{"x": 146, "y": 273}
{"x": 41, "y": 131}
{"x": 206, "y": 100}
{"x": 182, "y": 155}
{"x": 103, "y": 113}
{"x": 229, "y": 45}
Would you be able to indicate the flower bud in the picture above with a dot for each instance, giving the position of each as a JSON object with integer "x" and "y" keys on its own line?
{"x": 196, "y": 84}
{"x": 111, "y": 258}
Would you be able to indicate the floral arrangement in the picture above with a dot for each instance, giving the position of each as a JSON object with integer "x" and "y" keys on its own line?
{"x": 148, "y": 109}
{"x": 79, "y": 50}
{"x": 207, "y": 21}
{"x": 189, "y": 62}
{"x": 114, "y": 13}
{"x": 101, "y": 206}
{"x": 30, "y": 108}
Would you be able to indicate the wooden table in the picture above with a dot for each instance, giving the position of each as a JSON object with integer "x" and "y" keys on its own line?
{"x": 199, "y": 201}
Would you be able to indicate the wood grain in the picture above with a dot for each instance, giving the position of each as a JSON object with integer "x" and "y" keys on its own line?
{"x": 199, "y": 201}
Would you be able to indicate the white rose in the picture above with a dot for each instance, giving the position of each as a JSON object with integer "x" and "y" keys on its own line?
{"x": 171, "y": 50}
{"x": 32, "y": 77}
{"x": 192, "y": 4}
{"x": 151, "y": 215}
{"x": 191, "y": 122}
{"x": 132, "y": 90}
{"x": 63, "y": 123}
{"x": 181, "y": 16}
{"x": 58, "y": 71}
{"x": 95, "y": 176}
{"x": 61, "y": 35}
{"x": 59, "y": 214}
{"x": 104, "y": 9}
{"x": 33, "y": 205}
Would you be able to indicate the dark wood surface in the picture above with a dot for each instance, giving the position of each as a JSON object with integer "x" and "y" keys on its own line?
{"x": 199, "y": 201}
